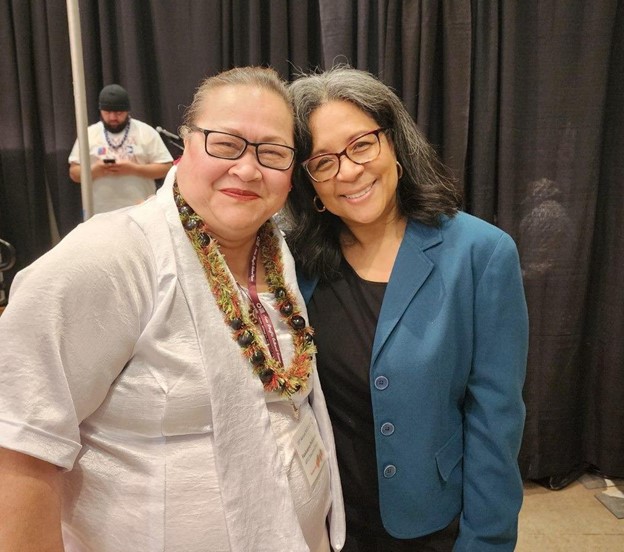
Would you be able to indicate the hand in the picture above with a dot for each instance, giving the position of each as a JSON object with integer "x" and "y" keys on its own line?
{"x": 123, "y": 167}
{"x": 100, "y": 169}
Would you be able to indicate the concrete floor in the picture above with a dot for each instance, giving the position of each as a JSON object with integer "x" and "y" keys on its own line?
{"x": 569, "y": 520}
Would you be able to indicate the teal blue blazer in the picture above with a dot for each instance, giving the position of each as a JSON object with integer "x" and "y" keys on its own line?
{"x": 446, "y": 377}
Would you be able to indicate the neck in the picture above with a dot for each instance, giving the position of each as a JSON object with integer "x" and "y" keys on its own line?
{"x": 238, "y": 257}
{"x": 367, "y": 236}
{"x": 372, "y": 249}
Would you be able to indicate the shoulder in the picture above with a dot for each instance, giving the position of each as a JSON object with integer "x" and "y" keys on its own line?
{"x": 464, "y": 238}
{"x": 107, "y": 238}
{"x": 142, "y": 127}
{"x": 152, "y": 141}
{"x": 96, "y": 129}
{"x": 462, "y": 229}
{"x": 107, "y": 255}
{"x": 470, "y": 227}
{"x": 117, "y": 240}
{"x": 476, "y": 234}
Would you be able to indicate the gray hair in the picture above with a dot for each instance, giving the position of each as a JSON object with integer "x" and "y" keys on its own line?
{"x": 426, "y": 190}
{"x": 421, "y": 165}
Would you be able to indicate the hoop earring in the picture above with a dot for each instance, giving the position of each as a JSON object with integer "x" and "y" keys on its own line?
{"x": 400, "y": 169}
{"x": 316, "y": 202}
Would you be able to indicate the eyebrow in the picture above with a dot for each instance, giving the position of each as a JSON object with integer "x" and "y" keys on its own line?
{"x": 349, "y": 140}
{"x": 268, "y": 139}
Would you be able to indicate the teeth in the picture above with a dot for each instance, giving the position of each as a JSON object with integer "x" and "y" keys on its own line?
{"x": 362, "y": 193}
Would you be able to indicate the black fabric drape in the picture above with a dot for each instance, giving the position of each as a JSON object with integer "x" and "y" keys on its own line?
{"x": 522, "y": 99}
{"x": 420, "y": 49}
{"x": 602, "y": 350}
{"x": 25, "y": 100}
{"x": 554, "y": 71}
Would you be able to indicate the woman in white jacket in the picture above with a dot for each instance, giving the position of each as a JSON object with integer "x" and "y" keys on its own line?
{"x": 158, "y": 388}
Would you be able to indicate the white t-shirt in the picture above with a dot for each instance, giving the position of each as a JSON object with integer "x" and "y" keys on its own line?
{"x": 141, "y": 145}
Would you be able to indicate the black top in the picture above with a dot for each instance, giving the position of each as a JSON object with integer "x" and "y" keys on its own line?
{"x": 344, "y": 316}
{"x": 347, "y": 311}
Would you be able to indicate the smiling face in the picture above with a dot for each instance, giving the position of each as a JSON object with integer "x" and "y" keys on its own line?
{"x": 235, "y": 197}
{"x": 361, "y": 195}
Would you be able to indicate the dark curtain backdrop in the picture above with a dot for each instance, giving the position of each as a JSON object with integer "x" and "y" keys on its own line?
{"x": 522, "y": 99}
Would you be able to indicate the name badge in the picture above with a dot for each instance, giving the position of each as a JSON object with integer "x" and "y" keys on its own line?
{"x": 310, "y": 449}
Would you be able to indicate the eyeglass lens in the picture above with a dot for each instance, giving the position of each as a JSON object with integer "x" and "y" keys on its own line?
{"x": 363, "y": 149}
{"x": 230, "y": 146}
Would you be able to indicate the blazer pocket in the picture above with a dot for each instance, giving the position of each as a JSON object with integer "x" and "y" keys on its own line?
{"x": 450, "y": 454}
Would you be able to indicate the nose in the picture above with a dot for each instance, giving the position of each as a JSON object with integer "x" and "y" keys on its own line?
{"x": 247, "y": 167}
{"x": 348, "y": 170}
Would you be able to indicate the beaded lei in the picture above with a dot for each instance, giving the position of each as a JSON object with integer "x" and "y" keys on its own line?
{"x": 273, "y": 375}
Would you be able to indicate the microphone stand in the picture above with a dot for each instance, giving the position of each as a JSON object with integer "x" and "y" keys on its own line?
{"x": 174, "y": 143}
{"x": 171, "y": 138}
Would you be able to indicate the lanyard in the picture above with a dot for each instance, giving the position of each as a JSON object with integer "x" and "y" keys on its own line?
{"x": 258, "y": 309}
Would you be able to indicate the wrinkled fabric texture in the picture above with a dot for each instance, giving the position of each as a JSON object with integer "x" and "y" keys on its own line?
{"x": 116, "y": 365}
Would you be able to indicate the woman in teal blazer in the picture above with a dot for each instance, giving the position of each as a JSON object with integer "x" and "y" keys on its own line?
{"x": 421, "y": 326}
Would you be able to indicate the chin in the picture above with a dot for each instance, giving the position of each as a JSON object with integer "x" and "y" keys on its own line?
{"x": 241, "y": 225}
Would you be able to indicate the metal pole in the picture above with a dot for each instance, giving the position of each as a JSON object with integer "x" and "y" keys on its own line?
{"x": 75, "y": 43}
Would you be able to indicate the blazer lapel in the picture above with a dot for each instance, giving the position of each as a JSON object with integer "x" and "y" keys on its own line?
{"x": 306, "y": 286}
{"x": 411, "y": 269}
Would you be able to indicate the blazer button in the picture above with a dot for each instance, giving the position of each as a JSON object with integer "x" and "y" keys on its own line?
{"x": 381, "y": 382}
{"x": 387, "y": 428}
{"x": 389, "y": 471}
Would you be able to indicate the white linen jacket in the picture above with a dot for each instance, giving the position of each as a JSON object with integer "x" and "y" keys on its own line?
{"x": 116, "y": 364}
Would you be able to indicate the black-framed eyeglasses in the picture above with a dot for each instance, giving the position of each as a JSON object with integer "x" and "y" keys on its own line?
{"x": 360, "y": 150}
{"x": 224, "y": 145}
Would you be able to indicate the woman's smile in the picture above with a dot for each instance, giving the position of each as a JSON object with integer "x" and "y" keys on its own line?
{"x": 240, "y": 194}
{"x": 361, "y": 194}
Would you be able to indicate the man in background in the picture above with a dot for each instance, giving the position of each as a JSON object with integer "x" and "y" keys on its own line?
{"x": 126, "y": 154}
